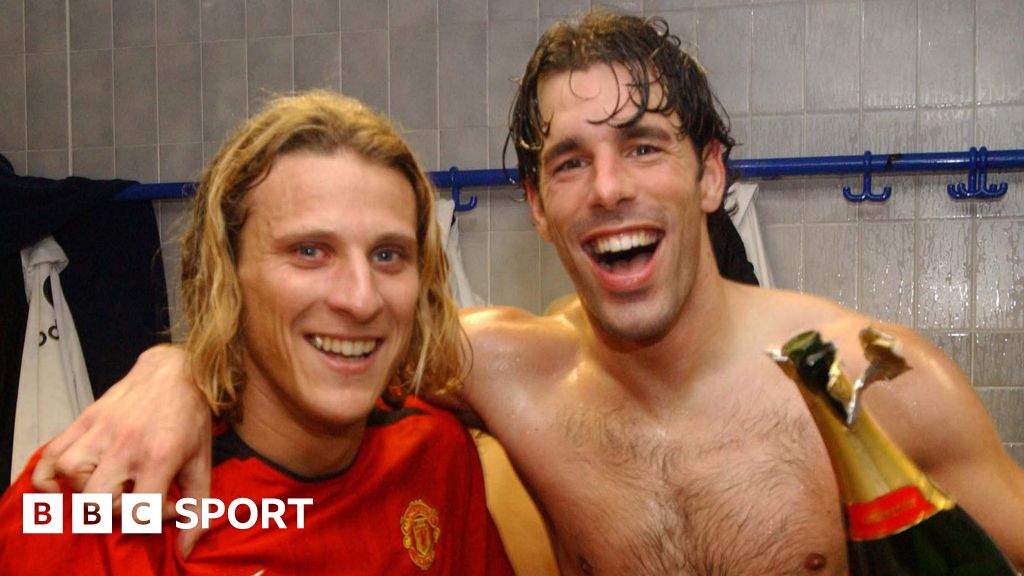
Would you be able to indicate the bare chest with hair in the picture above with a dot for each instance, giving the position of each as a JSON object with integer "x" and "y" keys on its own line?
{"x": 738, "y": 486}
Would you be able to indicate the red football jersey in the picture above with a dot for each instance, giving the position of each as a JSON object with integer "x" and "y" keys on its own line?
{"x": 412, "y": 503}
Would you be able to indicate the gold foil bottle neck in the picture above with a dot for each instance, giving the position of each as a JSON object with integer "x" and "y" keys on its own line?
{"x": 868, "y": 465}
{"x": 884, "y": 363}
{"x": 884, "y": 359}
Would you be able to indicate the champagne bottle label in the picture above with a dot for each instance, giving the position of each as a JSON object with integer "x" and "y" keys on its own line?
{"x": 888, "y": 514}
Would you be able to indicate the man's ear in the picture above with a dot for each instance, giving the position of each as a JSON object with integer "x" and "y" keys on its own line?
{"x": 536, "y": 209}
{"x": 712, "y": 182}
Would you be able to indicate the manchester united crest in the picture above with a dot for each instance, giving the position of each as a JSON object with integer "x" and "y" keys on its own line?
{"x": 420, "y": 532}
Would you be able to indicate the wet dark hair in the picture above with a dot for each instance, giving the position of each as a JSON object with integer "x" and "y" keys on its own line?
{"x": 650, "y": 54}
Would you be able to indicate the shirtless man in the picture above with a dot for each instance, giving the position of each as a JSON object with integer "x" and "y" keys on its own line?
{"x": 646, "y": 419}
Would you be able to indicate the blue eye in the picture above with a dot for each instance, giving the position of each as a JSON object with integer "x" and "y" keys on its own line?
{"x": 394, "y": 258}
{"x": 389, "y": 255}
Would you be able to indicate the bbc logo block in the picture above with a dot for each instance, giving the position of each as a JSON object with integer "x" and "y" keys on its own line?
{"x": 141, "y": 514}
{"x": 42, "y": 513}
{"x": 91, "y": 514}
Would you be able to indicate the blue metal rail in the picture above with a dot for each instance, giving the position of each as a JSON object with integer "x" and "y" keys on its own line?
{"x": 976, "y": 162}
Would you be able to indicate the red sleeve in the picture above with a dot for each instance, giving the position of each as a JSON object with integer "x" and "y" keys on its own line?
{"x": 68, "y": 553}
{"x": 22, "y": 553}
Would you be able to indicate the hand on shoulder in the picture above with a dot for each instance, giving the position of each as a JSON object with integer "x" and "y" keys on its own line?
{"x": 149, "y": 430}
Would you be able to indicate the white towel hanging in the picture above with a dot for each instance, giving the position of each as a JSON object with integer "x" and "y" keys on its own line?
{"x": 745, "y": 220}
{"x": 54, "y": 386}
{"x": 458, "y": 282}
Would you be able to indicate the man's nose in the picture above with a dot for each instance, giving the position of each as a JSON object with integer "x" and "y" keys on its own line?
{"x": 611, "y": 184}
{"x": 355, "y": 292}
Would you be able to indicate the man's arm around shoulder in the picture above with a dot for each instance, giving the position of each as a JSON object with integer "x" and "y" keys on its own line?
{"x": 150, "y": 429}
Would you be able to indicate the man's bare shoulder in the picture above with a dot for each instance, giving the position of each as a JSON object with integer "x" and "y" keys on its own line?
{"x": 780, "y": 314}
{"x": 506, "y": 325}
{"x": 932, "y": 385}
{"x": 931, "y": 411}
{"x": 512, "y": 346}
{"x": 843, "y": 326}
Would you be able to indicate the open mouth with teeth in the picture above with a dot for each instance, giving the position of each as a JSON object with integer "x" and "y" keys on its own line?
{"x": 348, "y": 349}
{"x": 625, "y": 253}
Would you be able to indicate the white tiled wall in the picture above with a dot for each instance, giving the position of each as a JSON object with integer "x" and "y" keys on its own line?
{"x": 916, "y": 75}
{"x": 145, "y": 89}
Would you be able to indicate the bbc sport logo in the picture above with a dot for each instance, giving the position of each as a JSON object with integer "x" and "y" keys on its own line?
{"x": 143, "y": 514}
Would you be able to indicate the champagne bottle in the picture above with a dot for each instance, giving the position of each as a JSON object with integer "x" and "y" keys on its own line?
{"x": 897, "y": 521}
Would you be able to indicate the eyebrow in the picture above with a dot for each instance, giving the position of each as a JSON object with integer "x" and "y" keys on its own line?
{"x": 301, "y": 234}
{"x": 645, "y": 131}
{"x": 559, "y": 148}
{"x": 408, "y": 241}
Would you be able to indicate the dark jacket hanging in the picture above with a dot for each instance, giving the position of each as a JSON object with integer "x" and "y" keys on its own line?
{"x": 113, "y": 283}
{"x": 730, "y": 253}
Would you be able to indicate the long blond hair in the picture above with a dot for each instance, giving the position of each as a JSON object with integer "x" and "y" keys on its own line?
{"x": 316, "y": 121}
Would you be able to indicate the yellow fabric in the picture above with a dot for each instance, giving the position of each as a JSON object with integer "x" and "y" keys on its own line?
{"x": 520, "y": 524}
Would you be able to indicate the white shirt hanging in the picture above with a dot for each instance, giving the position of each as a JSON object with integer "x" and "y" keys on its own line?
{"x": 54, "y": 386}
{"x": 745, "y": 220}
{"x": 458, "y": 281}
